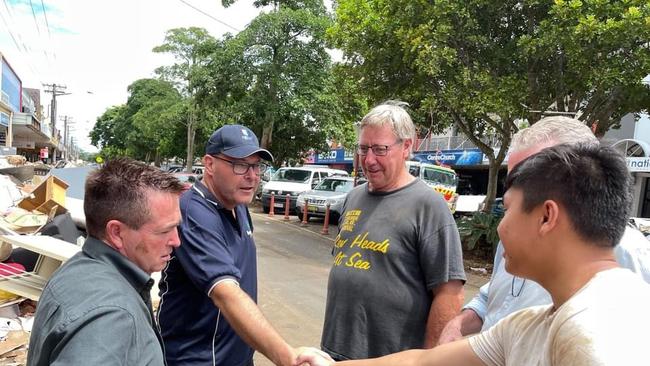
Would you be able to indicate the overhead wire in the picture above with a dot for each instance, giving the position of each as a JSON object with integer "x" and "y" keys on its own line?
{"x": 47, "y": 23}
{"x": 209, "y": 15}
{"x": 17, "y": 39}
{"x": 38, "y": 29}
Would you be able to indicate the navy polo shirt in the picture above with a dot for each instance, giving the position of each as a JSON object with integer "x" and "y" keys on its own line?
{"x": 214, "y": 247}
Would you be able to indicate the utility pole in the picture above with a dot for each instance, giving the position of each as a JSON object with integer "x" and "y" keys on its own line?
{"x": 55, "y": 90}
{"x": 67, "y": 121}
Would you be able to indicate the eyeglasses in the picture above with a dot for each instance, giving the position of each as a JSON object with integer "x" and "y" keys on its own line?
{"x": 241, "y": 168}
{"x": 379, "y": 150}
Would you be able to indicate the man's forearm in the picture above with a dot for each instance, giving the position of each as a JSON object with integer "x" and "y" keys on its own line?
{"x": 447, "y": 302}
{"x": 250, "y": 324}
{"x": 466, "y": 323}
{"x": 453, "y": 354}
{"x": 470, "y": 322}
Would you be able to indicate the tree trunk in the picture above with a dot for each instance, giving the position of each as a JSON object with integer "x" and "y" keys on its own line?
{"x": 269, "y": 117}
{"x": 493, "y": 177}
{"x": 191, "y": 131}
{"x": 157, "y": 159}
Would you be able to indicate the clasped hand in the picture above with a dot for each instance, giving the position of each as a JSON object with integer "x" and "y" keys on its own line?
{"x": 310, "y": 356}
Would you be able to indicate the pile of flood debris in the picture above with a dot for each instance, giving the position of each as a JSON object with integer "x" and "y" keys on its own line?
{"x": 37, "y": 234}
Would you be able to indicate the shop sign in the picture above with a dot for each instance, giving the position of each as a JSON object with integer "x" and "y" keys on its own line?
{"x": 336, "y": 156}
{"x": 450, "y": 157}
{"x": 638, "y": 164}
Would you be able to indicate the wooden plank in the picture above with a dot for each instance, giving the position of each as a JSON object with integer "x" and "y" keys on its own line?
{"x": 26, "y": 284}
{"x": 15, "y": 339}
{"x": 52, "y": 253}
{"x": 46, "y": 245}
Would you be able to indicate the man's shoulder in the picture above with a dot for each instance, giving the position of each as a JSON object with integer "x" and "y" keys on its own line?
{"x": 616, "y": 292}
{"x": 84, "y": 282}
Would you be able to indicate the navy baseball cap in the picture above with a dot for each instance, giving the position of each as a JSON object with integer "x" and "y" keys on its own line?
{"x": 236, "y": 141}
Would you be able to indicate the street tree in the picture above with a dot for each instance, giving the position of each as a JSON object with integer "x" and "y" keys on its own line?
{"x": 191, "y": 48}
{"x": 110, "y": 131}
{"x": 158, "y": 110}
{"x": 486, "y": 66}
{"x": 284, "y": 88}
{"x": 145, "y": 127}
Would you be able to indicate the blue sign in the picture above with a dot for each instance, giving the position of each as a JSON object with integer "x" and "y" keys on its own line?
{"x": 450, "y": 157}
{"x": 336, "y": 156}
{"x": 11, "y": 86}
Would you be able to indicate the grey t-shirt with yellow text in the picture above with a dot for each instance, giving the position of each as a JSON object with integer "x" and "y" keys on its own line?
{"x": 392, "y": 250}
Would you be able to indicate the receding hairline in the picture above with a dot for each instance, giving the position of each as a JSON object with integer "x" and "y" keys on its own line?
{"x": 552, "y": 131}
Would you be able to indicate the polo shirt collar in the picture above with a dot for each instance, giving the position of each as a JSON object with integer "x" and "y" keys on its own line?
{"x": 99, "y": 250}
{"x": 203, "y": 191}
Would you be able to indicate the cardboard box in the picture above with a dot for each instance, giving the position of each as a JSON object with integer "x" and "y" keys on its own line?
{"x": 47, "y": 195}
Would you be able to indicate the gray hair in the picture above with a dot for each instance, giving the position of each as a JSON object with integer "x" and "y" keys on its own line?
{"x": 555, "y": 129}
{"x": 391, "y": 113}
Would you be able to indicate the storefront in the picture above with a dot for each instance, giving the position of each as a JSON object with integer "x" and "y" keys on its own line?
{"x": 335, "y": 159}
{"x": 10, "y": 100}
{"x": 637, "y": 156}
{"x": 471, "y": 166}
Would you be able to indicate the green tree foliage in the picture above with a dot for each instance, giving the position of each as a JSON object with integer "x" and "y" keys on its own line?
{"x": 88, "y": 156}
{"x": 191, "y": 47}
{"x": 484, "y": 65}
{"x": 145, "y": 127}
{"x": 282, "y": 82}
{"x": 110, "y": 131}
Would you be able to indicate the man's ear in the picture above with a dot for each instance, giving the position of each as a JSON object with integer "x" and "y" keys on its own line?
{"x": 208, "y": 164}
{"x": 407, "y": 144}
{"x": 548, "y": 221}
{"x": 115, "y": 234}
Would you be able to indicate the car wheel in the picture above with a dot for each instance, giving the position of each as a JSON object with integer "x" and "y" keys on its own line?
{"x": 266, "y": 209}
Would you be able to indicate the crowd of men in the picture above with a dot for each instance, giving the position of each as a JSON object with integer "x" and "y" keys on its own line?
{"x": 567, "y": 288}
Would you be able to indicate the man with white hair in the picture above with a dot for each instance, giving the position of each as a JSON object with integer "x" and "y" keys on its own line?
{"x": 397, "y": 276}
{"x": 505, "y": 293}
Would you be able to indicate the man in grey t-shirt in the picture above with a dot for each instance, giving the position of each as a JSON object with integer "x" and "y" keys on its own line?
{"x": 398, "y": 275}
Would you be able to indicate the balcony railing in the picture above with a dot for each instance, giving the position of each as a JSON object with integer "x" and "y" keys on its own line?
{"x": 5, "y": 98}
{"x": 26, "y": 119}
{"x": 451, "y": 143}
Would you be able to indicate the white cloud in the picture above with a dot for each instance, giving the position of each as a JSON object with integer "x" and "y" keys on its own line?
{"x": 100, "y": 46}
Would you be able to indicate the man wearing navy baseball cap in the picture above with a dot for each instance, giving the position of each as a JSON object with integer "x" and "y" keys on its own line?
{"x": 208, "y": 313}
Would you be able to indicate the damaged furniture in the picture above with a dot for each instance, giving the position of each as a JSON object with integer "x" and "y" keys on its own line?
{"x": 52, "y": 253}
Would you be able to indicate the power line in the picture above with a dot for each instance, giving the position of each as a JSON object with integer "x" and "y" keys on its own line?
{"x": 22, "y": 50}
{"x": 10, "y": 32}
{"x": 38, "y": 29}
{"x": 46, "y": 22}
{"x": 209, "y": 16}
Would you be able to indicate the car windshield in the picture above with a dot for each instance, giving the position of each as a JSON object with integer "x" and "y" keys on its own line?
{"x": 292, "y": 175}
{"x": 434, "y": 176}
{"x": 335, "y": 185}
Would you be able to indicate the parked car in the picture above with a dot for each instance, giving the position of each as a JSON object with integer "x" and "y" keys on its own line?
{"x": 331, "y": 190}
{"x": 188, "y": 179}
{"x": 294, "y": 181}
{"x": 442, "y": 179}
{"x": 265, "y": 178}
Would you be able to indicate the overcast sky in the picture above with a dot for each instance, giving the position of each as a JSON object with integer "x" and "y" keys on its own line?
{"x": 97, "y": 48}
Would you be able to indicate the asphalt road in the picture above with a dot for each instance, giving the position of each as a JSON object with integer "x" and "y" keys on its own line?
{"x": 293, "y": 265}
